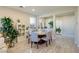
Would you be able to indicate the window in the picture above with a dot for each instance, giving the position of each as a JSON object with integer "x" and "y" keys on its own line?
{"x": 32, "y": 21}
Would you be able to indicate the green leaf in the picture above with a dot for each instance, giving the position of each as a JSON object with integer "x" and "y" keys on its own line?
{"x": 8, "y": 28}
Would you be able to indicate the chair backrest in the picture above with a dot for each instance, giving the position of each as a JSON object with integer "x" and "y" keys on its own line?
{"x": 49, "y": 34}
{"x": 34, "y": 36}
{"x": 45, "y": 30}
{"x": 53, "y": 35}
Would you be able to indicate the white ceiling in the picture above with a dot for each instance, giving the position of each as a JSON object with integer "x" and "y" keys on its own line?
{"x": 42, "y": 10}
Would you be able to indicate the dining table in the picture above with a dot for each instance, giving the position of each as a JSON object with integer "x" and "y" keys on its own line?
{"x": 41, "y": 35}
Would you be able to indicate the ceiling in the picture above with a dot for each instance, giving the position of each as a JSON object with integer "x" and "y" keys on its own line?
{"x": 42, "y": 10}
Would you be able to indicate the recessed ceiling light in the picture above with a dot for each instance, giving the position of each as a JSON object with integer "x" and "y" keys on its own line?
{"x": 33, "y": 10}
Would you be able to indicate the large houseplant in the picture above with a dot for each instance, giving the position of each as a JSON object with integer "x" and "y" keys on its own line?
{"x": 9, "y": 30}
{"x": 58, "y": 30}
{"x": 51, "y": 24}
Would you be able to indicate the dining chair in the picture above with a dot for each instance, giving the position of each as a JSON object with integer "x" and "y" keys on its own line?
{"x": 48, "y": 35}
{"x": 52, "y": 35}
{"x": 34, "y": 38}
{"x": 28, "y": 35}
{"x": 47, "y": 38}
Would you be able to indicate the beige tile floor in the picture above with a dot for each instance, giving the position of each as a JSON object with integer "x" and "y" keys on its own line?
{"x": 60, "y": 45}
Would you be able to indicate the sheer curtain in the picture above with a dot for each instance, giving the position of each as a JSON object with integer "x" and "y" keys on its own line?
{"x": 33, "y": 22}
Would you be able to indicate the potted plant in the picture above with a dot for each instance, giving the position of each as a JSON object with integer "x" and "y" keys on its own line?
{"x": 9, "y": 31}
{"x": 58, "y": 30}
{"x": 51, "y": 24}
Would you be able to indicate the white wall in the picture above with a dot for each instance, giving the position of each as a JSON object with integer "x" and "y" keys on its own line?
{"x": 15, "y": 15}
{"x": 77, "y": 27}
{"x": 65, "y": 22}
{"x": 67, "y": 25}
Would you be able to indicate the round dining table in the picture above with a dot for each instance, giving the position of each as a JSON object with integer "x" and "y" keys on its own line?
{"x": 41, "y": 35}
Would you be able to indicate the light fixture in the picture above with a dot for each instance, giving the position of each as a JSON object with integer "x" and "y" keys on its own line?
{"x": 33, "y": 10}
{"x": 22, "y": 6}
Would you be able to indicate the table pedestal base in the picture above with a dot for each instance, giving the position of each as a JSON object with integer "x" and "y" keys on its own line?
{"x": 40, "y": 42}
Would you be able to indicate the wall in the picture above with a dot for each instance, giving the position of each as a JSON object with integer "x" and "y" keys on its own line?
{"x": 15, "y": 15}
{"x": 66, "y": 22}
{"x": 67, "y": 25}
{"x": 77, "y": 27}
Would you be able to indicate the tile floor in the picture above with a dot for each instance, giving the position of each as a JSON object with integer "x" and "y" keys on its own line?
{"x": 60, "y": 45}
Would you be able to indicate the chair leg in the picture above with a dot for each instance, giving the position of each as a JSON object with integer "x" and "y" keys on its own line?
{"x": 46, "y": 44}
{"x": 37, "y": 45}
{"x": 31, "y": 44}
{"x": 28, "y": 40}
{"x": 49, "y": 41}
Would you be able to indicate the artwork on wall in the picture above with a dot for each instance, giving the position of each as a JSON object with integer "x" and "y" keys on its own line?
{"x": 0, "y": 26}
{"x": 21, "y": 28}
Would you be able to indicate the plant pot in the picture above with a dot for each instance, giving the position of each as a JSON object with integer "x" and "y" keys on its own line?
{"x": 11, "y": 44}
{"x": 58, "y": 33}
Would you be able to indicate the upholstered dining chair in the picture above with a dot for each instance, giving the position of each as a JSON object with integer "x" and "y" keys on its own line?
{"x": 47, "y": 38}
{"x": 34, "y": 38}
{"x": 52, "y": 35}
{"x": 28, "y": 35}
{"x": 49, "y": 35}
